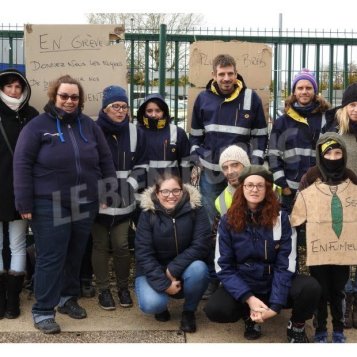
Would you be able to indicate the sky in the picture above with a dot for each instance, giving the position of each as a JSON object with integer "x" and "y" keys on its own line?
{"x": 302, "y": 14}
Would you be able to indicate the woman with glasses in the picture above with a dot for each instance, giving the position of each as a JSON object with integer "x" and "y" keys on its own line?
{"x": 62, "y": 166}
{"x": 168, "y": 148}
{"x": 256, "y": 261}
{"x": 171, "y": 246}
{"x": 111, "y": 227}
{"x": 15, "y": 113}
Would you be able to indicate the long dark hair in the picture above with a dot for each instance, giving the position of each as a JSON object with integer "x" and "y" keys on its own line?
{"x": 237, "y": 214}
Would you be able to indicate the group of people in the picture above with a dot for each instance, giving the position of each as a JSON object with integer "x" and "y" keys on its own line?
{"x": 232, "y": 240}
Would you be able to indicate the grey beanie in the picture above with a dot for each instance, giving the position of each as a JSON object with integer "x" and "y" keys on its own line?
{"x": 234, "y": 153}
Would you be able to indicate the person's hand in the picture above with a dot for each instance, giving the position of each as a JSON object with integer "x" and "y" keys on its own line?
{"x": 256, "y": 305}
{"x": 103, "y": 206}
{"x": 26, "y": 216}
{"x": 268, "y": 314}
{"x": 286, "y": 191}
{"x": 168, "y": 274}
{"x": 174, "y": 288}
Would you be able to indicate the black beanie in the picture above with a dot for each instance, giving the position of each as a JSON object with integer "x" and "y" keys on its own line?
{"x": 350, "y": 94}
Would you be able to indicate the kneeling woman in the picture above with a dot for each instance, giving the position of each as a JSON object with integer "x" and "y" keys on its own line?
{"x": 171, "y": 245}
{"x": 256, "y": 260}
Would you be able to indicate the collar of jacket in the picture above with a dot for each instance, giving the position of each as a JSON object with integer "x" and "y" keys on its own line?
{"x": 296, "y": 116}
{"x": 151, "y": 123}
{"x": 235, "y": 93}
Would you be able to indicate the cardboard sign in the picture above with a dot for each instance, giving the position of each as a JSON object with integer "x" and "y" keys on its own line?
{"x": 254, "y": 64}
{"x": 85, "y": 52}
{"x": 323, "y": 245}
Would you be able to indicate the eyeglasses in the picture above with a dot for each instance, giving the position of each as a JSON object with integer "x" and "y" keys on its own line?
{"x": 118, "y": 107}
{"x": 250, "y": 186}
{"x": 65, "y": 96}
{"x": 166, "y": 193}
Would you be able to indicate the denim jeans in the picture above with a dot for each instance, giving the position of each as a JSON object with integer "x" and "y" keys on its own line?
{"x": 17, "y": 243}
{"x": 195, "y": 281}
{"x": 60, "y": 241}
{"x": 351, "y": 285}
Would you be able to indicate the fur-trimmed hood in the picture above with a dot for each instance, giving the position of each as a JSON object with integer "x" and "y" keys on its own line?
{"x": 147, "y": 203}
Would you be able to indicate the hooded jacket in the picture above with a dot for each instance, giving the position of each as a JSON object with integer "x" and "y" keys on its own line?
{"x": 174, "y": 242}
{"x": 13, "y": 121}
{"x": 218, "y": 122}
{"x": 292, "y": 143}
{"x": 167, "y": 148}
{"x": 60, "y": 159}
{"x": 128, "y": 148}
{"x": 257, "y": 260}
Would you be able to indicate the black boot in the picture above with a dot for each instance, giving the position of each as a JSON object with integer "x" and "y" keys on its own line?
{"x": 14, "y": 287}
{"x": 3, "y": 277}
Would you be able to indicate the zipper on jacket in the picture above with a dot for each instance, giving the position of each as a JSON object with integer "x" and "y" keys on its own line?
{"x": 237, "y": 112}
{"x": 76, "y": 153}
{"x": 165, "y": 146}
{"x": 175, "y": 235}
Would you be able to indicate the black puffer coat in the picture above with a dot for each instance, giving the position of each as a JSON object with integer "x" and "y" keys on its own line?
{"x": 174, "y": 242}
{"x": 12, "y": 121}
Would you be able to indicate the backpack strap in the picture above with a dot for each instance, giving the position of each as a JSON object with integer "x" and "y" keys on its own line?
{"x": 3, "y": 132}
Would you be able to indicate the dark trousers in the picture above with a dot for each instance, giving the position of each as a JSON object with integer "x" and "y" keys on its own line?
{"x": 60, "y": 246}
{"x": 303, "y": 298}
{"x": 332, "y": 279}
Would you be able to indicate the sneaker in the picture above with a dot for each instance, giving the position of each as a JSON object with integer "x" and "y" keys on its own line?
{"x": 338, "y": 337}
{"x": 48, "y": 326}
{"x": 320, "y": 337}
{"x": 87, "y": 289}
{"x": 188, "y": 321}
{"x": 105, "y": 300}
{"x": 296, "y": 333}
{"x": 163, "y": 316}
{"x": 252, "y": 330}
{"x": 72, "y": 309}
{"x": 125, "y": 298}
{"x": 212, "y": 287}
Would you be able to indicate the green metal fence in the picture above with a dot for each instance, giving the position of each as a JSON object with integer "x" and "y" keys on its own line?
{"x": 158, "y": 60}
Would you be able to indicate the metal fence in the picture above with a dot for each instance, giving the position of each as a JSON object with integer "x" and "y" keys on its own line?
{"x": 158, "y": 60}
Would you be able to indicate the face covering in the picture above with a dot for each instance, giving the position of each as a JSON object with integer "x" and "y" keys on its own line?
{"x": 335, "y": 169}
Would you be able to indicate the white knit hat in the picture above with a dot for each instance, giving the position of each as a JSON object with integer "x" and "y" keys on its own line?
{"x": 234, "y": 153}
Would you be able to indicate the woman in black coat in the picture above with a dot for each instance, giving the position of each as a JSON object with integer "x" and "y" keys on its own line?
{"x": 171, "y": 245}
{"x": 15, "y": 112}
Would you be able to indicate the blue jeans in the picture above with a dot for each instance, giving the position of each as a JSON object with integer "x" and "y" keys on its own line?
{"x": 351, "y": 285}
{"x": 60, "y": 241}
{"x": 195, "y": 281}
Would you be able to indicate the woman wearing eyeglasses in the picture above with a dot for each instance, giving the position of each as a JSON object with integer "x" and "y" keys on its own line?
{"x": 256, "y": 261}
{"x": 168, "y": 148}
{"x": 111, "y": 227}
{"x": 15, "y": 113}
{"x": 61, "y": 164}
{"x": 171, "y": 246}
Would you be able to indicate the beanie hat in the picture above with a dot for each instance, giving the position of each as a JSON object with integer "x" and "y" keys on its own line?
{"x": 256, "y": 170}
{"x": 350, "y": 94}
{"x": 307, "y": 75}
{"x": 113, "y": 94}
{"x": 234, "y": 153}
{"x": 328, "y": 145}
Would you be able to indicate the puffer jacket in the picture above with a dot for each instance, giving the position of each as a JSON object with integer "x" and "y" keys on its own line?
{"x": 257, "y": 260}
{"x": 13, "y": 122}
{"x": 174, "y": 242}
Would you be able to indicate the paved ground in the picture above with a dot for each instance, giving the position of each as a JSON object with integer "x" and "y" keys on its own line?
{"x": 132, "y": 326}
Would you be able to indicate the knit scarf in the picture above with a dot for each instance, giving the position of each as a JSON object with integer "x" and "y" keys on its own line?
{"x": 111, "y": 126}
{"x": 13, "y": 103}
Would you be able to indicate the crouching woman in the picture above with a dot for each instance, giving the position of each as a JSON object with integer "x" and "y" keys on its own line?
{"x": 171, "y": 245}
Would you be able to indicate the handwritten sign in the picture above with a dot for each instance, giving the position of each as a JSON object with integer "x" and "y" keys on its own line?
{"x": 254, "y": 64}
{"x": 89, "y": 53}
{"x": 323, "y": 246}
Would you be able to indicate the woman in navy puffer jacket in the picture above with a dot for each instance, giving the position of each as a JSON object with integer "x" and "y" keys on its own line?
{"x": 171, "y": 245}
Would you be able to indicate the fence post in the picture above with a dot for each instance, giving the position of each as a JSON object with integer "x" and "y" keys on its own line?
{"x": 162, "y": 60}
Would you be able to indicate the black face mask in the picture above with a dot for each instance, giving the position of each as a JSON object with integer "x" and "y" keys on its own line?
{"x": 335, "y": 169}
